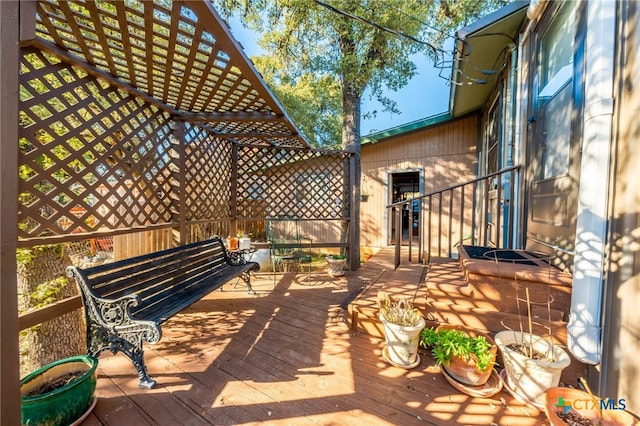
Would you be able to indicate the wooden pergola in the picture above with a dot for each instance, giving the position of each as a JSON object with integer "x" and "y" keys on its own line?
{"x": 138, "y": 116}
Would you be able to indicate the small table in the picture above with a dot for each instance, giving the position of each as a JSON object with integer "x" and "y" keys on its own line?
{"x": 241, "y": 255}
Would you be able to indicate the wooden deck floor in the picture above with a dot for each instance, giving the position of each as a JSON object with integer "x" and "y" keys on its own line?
{"x": 285, "y": 356}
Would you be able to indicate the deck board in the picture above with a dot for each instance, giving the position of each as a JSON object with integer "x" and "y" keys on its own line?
{"x": 285, "y": 356}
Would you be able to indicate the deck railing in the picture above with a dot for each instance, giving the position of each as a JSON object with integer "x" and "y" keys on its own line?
{"x": 478, "y": 210}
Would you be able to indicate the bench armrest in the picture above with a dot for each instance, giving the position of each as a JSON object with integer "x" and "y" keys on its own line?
{"x": 109, "y": 313}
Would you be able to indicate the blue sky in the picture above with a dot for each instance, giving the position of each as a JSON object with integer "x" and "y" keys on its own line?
{"x": 425, "y": 95}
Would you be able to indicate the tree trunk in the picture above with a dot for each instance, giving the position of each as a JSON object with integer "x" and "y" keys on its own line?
{"x": 351, "y": 141}
{"x": 42, "y": 280}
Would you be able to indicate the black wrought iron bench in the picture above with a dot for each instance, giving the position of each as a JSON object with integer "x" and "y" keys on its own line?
{"x": 125, "y": 302}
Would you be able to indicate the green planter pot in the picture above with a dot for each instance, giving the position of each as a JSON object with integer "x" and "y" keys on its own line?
{"x": 64, "y": 405}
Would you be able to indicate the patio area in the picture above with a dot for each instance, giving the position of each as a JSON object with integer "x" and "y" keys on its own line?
{"x": 288, "y": 356}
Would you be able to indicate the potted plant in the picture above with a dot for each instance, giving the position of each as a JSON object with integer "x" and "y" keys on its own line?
{"x": 466, "y": 357}
{"x": 364, "y": 190}
{"x": 532, "y": 364}
{"x": 402, "y": 324}
{"x": 59, "y": 393}
{"x": 336, "y": 264}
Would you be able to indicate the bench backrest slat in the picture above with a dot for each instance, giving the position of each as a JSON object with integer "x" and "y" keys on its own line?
{"x": 138, "y": 280}
{"x": 157, "y": 275}
{"x": 134, "y": 265}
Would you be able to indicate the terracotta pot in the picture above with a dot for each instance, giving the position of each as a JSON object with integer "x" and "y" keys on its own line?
{"x": 559, "y": 399}
{"x": 232, "y": 243}
{"x": 466, "y": 371}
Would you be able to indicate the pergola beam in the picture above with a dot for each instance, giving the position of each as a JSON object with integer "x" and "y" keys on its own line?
{"x": 253, "y": 135}
{"x": 228, "y": 116}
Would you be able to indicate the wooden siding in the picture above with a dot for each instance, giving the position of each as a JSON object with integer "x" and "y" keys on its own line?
{"x": 621, "y": 331}
{"x": 139, "y": 243}
{"x": 446, "y": 155}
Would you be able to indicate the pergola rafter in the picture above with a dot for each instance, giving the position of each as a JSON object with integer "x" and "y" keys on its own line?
{"x": 179, "y": 56}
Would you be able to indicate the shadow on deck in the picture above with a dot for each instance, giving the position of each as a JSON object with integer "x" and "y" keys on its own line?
{"x": 287, "y": 355}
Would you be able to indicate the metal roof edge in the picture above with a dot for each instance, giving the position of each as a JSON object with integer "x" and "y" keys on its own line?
{"x": 406, "y": 128}
{"x": 492, "y": 18}
{"x": 469, "y": 30}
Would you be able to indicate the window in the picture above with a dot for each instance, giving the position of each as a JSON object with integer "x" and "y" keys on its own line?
{"x": 555, "y": 96}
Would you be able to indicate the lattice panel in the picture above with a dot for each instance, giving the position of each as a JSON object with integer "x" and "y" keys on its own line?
{"x": 257, "y": 132}
{"x": 91, "y": 156}
{"x": 276, "y": 182}
{"x": 179, "y": 53}
{"x": 207, "y": 174}
{"x": 161, "y": 47}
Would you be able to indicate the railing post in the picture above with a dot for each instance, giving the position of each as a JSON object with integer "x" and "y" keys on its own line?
{"x": 485, "y": 211}
{"x": 500, "y": 211}
{"x": 461, "y": 241}
{"x": 511, "y": 213}
{"x": 398, "y": 212}
{"x": 450, "y": 228}
{"x": 410, "y": 226}
{"x": 440, "y": 224}
{"x": 420, "y": 230}
{"x": 429, "y": 228}
{"x": 474, "y": 207}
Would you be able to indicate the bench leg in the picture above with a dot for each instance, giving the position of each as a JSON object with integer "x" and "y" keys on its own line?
{"x": 130, "y": 344}
{"x": 137, "y": 357}
{"x": 246, "y": 277}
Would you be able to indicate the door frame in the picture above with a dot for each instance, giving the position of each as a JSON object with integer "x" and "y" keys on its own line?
{"x": 389, "y": 196}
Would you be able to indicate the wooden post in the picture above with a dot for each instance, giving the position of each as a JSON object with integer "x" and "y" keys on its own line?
{"x": 233, "y": 192}
{"x": 182, "y": 152}
{"x": 354, "y": 220}
{"x": 9, "y": 105}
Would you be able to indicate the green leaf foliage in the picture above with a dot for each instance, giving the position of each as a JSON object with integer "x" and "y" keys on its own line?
{"x": 446, "y": 343}
{"x": 320, "y": 46}
{"x": 313, "y": 102}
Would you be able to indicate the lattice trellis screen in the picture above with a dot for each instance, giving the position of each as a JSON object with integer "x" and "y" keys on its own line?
{"x": 178, "y": 53}
{"x": 207, "y": 172}
{"x": 91, "y": 156}
{"x": 277, "y": 182}
{"x": 162, "y": 48}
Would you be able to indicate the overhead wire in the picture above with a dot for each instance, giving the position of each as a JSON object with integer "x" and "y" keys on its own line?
{"x": 378, "y": 26}
{"x": 438, "y": 52}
